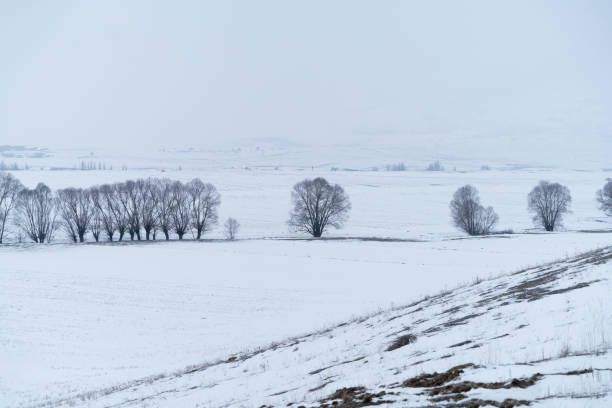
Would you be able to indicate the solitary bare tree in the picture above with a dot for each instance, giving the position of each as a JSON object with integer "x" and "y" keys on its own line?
{"x": 36, "y": 213}
{"x": 75, "y": 211}
{"x": 317, "y": 205}
{"x": 203, "y": 200}
{"x": 469, "y": 215}
{"x": 231, "y": 228}
{"x": 181, "y": 209}
{"x": 549, "y": 202}
{"x": 604, "y": 197}
{"x": 9, "y": 190}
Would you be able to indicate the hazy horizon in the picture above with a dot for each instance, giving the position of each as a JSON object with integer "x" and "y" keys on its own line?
{"x": 198, "y": 73}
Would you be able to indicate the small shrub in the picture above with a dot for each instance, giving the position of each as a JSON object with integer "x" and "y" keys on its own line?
{"x": 402, "y": 341}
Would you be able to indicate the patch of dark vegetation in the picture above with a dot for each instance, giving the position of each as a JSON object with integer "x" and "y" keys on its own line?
{"x": 436, "y": 379}
{"x": 433, "y": 329}
{"x": 420, "y": 309}
{"x": 420, "y": 362}
{"x": 353, "y": 397}
{"x": 463, "y": 343}
{"x": 536, "y": 287}
{"x": 442, "y": 389}
{"x": 466, "y": 386}
{"x": 570, "y": 288}
{"x": 522, "y": 326}
{"x": 452, "y": 310}
{"x": 320, "y": 387}
{"x": 276, "y": 394}
{"x": 500, "y": 336}
{"x": 461, "y": 320}
{"x": 477, "y": 403}
{"x": 402, "y": 341}
{"x": 446, "y": 398}
{"x": 336, "y": 365}
{"x": 578, "y": 372}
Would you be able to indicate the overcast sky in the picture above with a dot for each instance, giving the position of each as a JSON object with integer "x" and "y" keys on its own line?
{"x": 195, "y": 72}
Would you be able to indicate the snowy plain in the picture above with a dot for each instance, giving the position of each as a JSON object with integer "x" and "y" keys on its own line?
{"x": 81, "y": 317}
{"x": 539, "y": 337}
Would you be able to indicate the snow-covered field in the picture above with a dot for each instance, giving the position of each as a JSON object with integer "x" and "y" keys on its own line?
{"x": 80, "y": 317}
{"x": 75, "y": 318}
{"x": 540, "y": 337}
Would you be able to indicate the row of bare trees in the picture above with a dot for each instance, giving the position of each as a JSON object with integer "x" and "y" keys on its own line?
{"x": 145, "y": 208}
{"x": 548, "y": 202}
{"x": 140, "y": 208}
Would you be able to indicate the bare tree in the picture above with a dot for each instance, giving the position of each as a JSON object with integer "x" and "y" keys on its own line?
{"x": 231, "y": 228}
{"x": 9, "y": 190}
{"x": 36, "y": 213}
{"x": 549, "y": 202}
{"x": 75, "y": 210}
{"x": 165, "y": 206}
{"x": 113, "y": 206}
{"x": 181, "y": 209}
{"x": 604, "y": 197}
{"x": 469, "y": 215}
{"x": 103, "y": 205}
{"x": 129, "y": 196}
{"x": 204, "y": 200}
{"x": 317, "y": 205}
{"x": 149, "y": 200}
{"x": 96, "y": 225}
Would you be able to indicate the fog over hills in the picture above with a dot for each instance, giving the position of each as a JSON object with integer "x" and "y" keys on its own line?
{"x": 471, "y": 79}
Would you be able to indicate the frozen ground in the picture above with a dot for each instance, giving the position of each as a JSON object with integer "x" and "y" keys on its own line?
{"x": 539, "y": 337}
{"x": 76, "y": 318}
{"x": 80, "y": 317}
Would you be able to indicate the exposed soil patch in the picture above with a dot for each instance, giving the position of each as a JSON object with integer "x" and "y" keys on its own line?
{"x": 353, "y": 397}
{"x": 477, "y": 403}
{"x": 465, "y": 386}
{"x": 436, "y": 379}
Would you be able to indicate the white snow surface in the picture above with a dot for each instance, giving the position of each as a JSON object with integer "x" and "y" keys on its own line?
{"x": 80, "y": 318}
{"x": 551, "y": 324}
